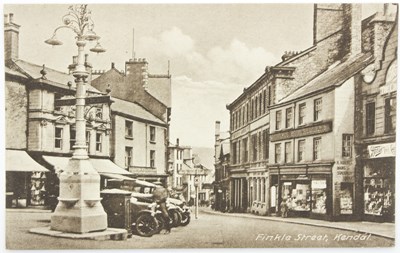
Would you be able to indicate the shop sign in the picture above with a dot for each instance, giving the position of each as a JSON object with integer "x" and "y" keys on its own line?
{"x": 320, "y": 128}
{"x": 382, "y": 150}
{"x": 318, "y": 184}
{"x": 344, "y": 171}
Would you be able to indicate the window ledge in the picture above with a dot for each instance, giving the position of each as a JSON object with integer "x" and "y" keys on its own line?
{"x": 153, "y": 142}
{"x": 129, "y": 137}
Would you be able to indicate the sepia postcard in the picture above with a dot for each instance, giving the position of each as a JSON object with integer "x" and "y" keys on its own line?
{"x": 219, "y": 125}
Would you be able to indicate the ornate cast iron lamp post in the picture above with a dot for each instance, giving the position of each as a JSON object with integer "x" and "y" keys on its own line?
{"x": 79, "y": 209}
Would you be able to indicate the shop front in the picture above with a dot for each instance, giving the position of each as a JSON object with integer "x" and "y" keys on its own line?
{"x": 305, "y": 191}
{"x": 238, "y": 192}
{"x": 25, "y": 180}
{"x": 257, "y": 183}
{"x": 379, "y": 183}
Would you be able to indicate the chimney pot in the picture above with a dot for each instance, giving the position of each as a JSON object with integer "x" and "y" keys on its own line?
{"x": 112, "y": 65}
{"x": 5, "y": 18}
{"x": 75, "y": 59}
{"x": 385, "y": 9}
{"x": 11, "y": 17}
{"x": 177, "y": 141}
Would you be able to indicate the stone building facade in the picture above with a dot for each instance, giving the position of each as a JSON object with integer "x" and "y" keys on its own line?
{"x": 142, "y": 110}
{"x": 275, "y": 116}
{"x": 375, "y": 126}
{"x": 221, "y": 178}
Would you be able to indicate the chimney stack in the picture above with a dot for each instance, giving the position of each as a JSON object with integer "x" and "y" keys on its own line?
{"x": 355, "y": 28}
{"x": 217, "y": 130}
{"x": 11, "y": 37}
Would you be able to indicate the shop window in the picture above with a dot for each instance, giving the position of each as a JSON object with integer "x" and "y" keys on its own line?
{"x": 301, "y": 150}
{"x": 379, "y": 189}
{"x": 288, "y": 152}
{"x": 278, "y": 120}
{"x": 302, "y": 113}
{"x": 346, "y": 198}
{"x": 289, "y": 115}
{"x": 277, "y": 153}
{"x": 317, "y": 149}
{"x": 128, "y": 129}
{"x": 347, "y": 142}
{"x": 370, "y": 118}
{"x": 58, "y": 136}
{"x": 317, "y": 109}
{"x": 152, "y": 134}
{"x": 318, "y": 191}
{"x": 98, "y": 142}
{"x": 72, "y": 138}
{"x": 128, "y": 157}
{"x": 297, "y": 195}
{"x": 152, "y": 158}
{"x": 390, "y": 115}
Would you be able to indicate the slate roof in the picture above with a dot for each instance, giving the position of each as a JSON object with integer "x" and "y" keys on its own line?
{"x": 133, "y": 109}
{"x": 33, "y": 71}
{"x": 335, "y": 76}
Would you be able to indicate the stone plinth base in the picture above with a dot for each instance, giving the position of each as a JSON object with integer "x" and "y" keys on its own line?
{"x": 108, "y": 234}
{"x": 79, "y": 209}
{"x": 79, "y": 219}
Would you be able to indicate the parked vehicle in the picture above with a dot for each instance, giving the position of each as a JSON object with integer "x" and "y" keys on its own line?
{"x": 144, "y": 218}
{"x": 184, "y": 210}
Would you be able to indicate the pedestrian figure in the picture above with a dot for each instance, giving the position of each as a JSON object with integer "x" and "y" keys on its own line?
{"x": 160, "y": 195}
{"x": 284, "y": 208}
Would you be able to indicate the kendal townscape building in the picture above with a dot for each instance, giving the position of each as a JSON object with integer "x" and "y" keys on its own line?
{"x": 221, "y": 162}
{"x": 140, "y": 116}
{"x": 317, "y": 130}
{"x": 125, "y": 138}
{"x": 186, "y": 172}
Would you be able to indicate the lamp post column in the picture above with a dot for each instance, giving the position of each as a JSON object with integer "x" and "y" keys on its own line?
{"x": 80, "y": 74}
{"x": 79, "y": 209}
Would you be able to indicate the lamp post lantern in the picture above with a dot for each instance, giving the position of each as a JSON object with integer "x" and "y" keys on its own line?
{"x": 79, "y": 209}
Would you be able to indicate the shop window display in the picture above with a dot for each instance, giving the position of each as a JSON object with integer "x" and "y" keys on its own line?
{"x": 297, "y": 195}
{"x": 318, "y": 196}
{"x": 38, "y": 188}
{"x": 346, "y": 198}
{"x": 378, "y": 193}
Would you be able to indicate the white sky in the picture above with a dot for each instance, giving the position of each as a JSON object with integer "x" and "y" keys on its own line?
{"x": 215, "y": 50}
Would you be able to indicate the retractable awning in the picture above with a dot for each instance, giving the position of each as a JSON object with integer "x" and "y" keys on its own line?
{"x": 20, "y": 161}
{"x": 102, "y": 166}
{"x": 118, "y": 177}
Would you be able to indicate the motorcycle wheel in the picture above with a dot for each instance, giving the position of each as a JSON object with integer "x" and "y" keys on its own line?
{"x": 176, "y": 217}
{"x": 185, "y": 219}
{"x": 161, "y": 223}
{"x": 146, "y": 225}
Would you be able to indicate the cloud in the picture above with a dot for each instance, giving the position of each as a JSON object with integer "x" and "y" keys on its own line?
{"x": 204, "y": 80}
{"x": 196, "y": 105}
{"x": 171, "y": 43}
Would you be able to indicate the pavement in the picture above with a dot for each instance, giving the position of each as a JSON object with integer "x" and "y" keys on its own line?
{"x": 385, "y": 230}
